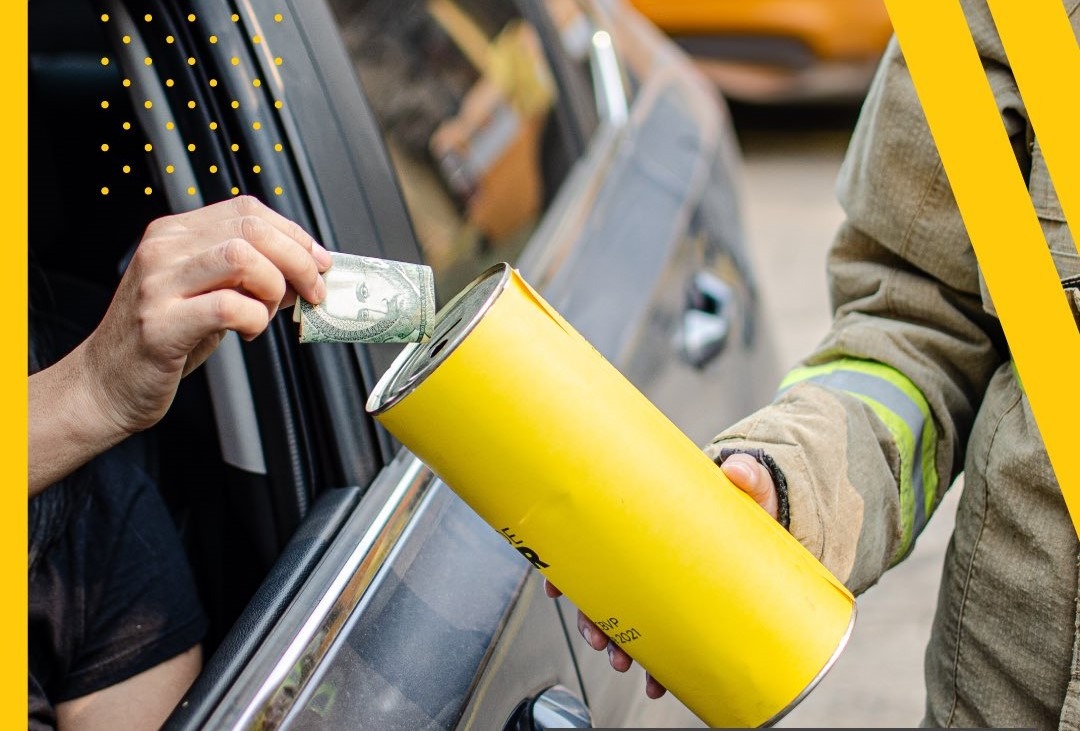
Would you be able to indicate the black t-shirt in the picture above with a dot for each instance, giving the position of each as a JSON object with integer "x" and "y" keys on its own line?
{"x": 113, "y": 596}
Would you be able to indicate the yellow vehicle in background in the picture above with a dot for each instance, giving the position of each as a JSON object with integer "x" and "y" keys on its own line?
{"x": 779, "y": 50}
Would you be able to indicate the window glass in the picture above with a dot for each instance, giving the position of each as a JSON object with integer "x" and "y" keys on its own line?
{"x": 466, "y": 100}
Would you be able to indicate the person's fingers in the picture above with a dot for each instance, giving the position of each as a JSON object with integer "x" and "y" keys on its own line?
{"x": 200, "y": 317}
{"x": 232, "y": 264}
{"x": 747, "y": 474}
{"x": 246, "y": 205}
{"x": 592, "y": 634}
{"x": 551, "y": 590}
{"x": 617, "y": 658}
{"x": 653, "y": 688}
{"x": 201, "y": 352}
{"x": 296, "y": 264}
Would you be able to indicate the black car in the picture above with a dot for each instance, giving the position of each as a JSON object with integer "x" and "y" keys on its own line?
{"x": 345, "y": 585}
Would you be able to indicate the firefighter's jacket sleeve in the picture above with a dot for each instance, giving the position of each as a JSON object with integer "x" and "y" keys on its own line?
{"x": 870, "y": 429}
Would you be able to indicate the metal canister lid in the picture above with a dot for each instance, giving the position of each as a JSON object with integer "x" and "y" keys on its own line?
{"x": 452, "y": 325}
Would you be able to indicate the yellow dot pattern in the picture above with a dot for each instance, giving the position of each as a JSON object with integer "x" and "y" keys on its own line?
{"x": 191, "y": 104}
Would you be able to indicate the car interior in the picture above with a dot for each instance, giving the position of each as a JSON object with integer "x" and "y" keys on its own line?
{"x": 93, "y": 188}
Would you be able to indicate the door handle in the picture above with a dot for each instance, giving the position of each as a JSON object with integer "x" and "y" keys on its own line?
{"x": 706, "y": 322}
{"x": 556, "y": 707}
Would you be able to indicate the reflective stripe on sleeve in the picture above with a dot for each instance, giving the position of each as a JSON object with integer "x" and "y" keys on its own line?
{"x": 906, "y": 414}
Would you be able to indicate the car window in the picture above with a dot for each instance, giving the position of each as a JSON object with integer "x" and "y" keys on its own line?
{"x": 466, "y": 99}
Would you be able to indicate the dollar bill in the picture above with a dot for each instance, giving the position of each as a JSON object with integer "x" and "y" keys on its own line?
{"x": 370, "y": 300}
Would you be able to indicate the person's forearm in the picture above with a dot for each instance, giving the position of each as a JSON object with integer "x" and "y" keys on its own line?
{"x": 68, "y": 427}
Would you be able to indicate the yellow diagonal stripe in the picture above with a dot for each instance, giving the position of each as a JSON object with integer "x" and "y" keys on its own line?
{"x": 999, "y": 215}
{"x": 1042, "y": 51}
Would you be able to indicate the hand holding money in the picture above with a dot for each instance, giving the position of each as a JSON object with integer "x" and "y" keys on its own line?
{"x": 370, "y": 300}
{"x": 194, "y": 277}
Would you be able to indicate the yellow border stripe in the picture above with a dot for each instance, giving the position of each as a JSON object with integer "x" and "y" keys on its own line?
{"x": 13, "y": 437}
{"x": 999, "y": 216}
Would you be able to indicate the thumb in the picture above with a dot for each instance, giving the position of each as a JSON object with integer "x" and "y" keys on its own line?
{"x": 747, "y": 474}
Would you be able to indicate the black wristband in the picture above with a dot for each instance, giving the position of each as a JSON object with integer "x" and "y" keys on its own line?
{"x": 783, "y": 509}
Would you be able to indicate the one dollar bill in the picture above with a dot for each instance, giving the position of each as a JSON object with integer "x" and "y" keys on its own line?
{"x": 370, "y": 300}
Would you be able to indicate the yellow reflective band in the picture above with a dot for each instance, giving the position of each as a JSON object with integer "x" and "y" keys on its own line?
{"x": 906, "y": 414}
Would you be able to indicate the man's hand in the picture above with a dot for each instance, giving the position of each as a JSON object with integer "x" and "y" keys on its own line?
{"x": 194, "y": 276}
{"x": 747, "y": 474}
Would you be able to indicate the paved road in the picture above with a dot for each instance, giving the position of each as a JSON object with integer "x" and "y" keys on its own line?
{"x": 791, "y": 214}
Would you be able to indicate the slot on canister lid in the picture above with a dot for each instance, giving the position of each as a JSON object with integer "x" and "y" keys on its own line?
{"x": 453, "y": 323}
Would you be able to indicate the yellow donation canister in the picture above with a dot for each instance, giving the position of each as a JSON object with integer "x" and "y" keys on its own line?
{"x": 557, "y": 451}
